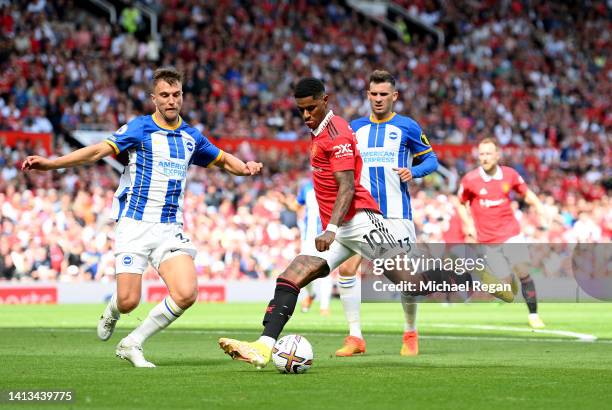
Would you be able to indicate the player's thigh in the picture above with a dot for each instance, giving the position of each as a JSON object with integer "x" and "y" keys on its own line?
{"x": 179, "y": 274}
{"x": 333, "y": 257}
{"x": 516, "y": 252}
{"x": 129, "y": 290}
{"x": 496, "y": 261}
{"x": 350, "y": 266}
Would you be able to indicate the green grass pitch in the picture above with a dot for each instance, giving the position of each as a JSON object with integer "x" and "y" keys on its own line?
{"x": 472, "y": 356}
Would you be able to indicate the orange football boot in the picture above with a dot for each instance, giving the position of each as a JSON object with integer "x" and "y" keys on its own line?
{"x": 352, "y": 346}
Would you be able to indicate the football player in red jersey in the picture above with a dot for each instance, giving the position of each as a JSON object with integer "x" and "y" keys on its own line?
{"x": 350, "y": 217}
{"x": 487, "y": 192}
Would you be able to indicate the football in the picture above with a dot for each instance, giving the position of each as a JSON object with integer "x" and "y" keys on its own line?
{"x": 292, "y": 354}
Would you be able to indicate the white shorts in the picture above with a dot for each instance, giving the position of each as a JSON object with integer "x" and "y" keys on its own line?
{"x": 365, "y": 234}
{"x": 138, "y": 242}
{"x": 502, "y": 258}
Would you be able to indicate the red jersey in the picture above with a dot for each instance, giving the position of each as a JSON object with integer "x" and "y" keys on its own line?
{"x": 333, "y": 149}
{"x": 489, "y": 199}
{"x": 454, "y": 233}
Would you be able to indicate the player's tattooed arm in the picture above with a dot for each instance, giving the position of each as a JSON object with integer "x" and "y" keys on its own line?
{"x": 346, "y": 190}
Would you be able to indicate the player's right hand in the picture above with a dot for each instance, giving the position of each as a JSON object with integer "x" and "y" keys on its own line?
{"x": 405, "y": 174}
{"x": 324, "y": 241}
{"x": 253, "y": 168}
{"x": 470, "y": 231}
{"x": 36, "y": 162}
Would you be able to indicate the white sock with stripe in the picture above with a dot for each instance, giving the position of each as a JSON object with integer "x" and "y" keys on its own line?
{"x": 164, "y": 313}
{"x": 410, "y": 312}
{"x": 326, "y": 285}
{"x": 349, "y": 288}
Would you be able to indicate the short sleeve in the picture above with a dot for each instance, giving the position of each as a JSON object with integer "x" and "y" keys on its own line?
{"x": 126, "y": 137}
{"x": 464, "y": 193}
{"x": 417, "y": 141}
{"x": 343, "y": 151}
{"x": 518, "y": 184}
{"x": 206, "y": 154}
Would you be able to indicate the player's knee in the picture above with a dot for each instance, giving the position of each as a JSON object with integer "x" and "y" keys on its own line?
{"x": 305, "y": 269}
{"x": 185, "y": 298}
{"x": 521, "y": 270}
{"x": 346, "y": 271}
{"x": 127, "y": 303}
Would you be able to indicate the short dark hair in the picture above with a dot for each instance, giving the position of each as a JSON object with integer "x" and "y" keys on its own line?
{"x": 168, "y": 74}
{"x": 381, "y": 76}
{"x": 309, "y": 87}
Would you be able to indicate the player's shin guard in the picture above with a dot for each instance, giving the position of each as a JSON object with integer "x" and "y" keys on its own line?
{"x": 280, "y": 308}
{"x": 326, "y": 286}
{"x": 164, "y": 313}
{"x": 410, "y": 312}
{"x": 529, "y": 293}
{"x": 350, "y": 296}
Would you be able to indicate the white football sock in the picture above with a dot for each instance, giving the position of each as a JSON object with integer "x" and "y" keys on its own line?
{"x": 410, "y": 312}
{"x": 349, "y": 288}
{"x": 325, "y": 290}
{"x": 111, "y": 309}
{"x": 164, "y": 313}
{"x": 267, "y": 340}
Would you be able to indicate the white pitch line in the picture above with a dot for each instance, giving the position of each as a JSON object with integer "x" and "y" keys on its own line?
{"x": 583, "y": 337}
{"x": 432, "y": 337}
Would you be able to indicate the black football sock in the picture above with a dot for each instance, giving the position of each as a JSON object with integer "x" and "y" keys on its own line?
{"x": 529, "y": 293}
{"x": 280, "y": 308}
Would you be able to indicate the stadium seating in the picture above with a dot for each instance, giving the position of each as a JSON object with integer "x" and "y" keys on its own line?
{"x": 516, "y": 74}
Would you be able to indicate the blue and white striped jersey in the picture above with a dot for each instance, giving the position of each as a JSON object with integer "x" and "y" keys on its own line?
{"x": 384, "y": 145}
{"x": 311, "y": 226}
{"x": 152, "y": 185}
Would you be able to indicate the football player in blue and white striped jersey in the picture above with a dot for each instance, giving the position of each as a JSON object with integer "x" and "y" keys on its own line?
{"x": 148, "y": 208}
{"x": 390, "y": 145}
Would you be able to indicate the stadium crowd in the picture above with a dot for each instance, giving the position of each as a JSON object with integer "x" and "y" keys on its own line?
{"x": 533, "y": 74}
{"x": 55, "y": 226}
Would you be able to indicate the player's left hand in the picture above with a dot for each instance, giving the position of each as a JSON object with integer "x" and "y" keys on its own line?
{"x": 253, "y": 168}
{"x": 405, "y": 174}
{"x": 324, "y": 241}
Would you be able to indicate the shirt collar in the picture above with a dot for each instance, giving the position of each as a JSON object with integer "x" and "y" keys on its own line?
{"x": 323, "y": 124}
{"x": 375, "y": 121}
{"x": 486, "y": 177}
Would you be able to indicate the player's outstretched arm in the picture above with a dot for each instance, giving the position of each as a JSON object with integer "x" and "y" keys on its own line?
{"x": 83, "y": 156}
{"x": 464, "y": 214}
{"x": 532, "y": 200}
{"x": 346, "y": 191}
{"x": 237, "y": 167}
